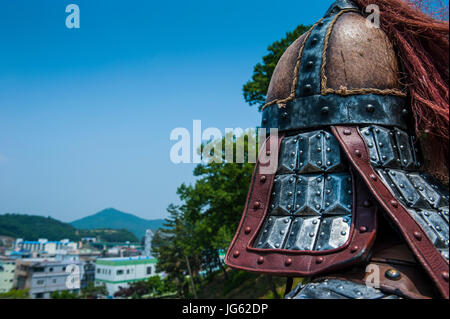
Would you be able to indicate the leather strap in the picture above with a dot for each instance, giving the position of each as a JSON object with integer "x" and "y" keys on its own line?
{"x": 431, "y": 259}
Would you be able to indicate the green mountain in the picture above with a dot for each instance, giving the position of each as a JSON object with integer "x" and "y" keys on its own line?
{"x": 30, "y": 227}
{"x": 114, "y": 219}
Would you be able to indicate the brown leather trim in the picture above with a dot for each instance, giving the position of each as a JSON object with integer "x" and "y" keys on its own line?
{"x": 241, "y": 254}
{"x": 431, "y": 259}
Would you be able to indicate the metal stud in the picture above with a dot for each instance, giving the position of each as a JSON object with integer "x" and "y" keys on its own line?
{"x": 370, "y": 108}
{"x": 392, "y": 274}
{"x": 417, "y": 235}
{"x": 288, "y": 262}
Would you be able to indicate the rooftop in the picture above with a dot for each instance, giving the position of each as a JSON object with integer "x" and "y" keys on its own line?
{"x": 124, "y": 261}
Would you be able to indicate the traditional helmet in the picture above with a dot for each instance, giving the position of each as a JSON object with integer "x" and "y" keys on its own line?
{"x": 347, "y": 147}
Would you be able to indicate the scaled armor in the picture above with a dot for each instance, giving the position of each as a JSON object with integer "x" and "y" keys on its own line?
{"x": 349, "y": 195}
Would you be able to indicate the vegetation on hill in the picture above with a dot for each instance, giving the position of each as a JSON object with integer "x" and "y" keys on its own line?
{"x": 31, "y": 227}
{"x": 114, "y": 219}
{"x": 109, "y": 235}
{"x": 34, "y": 227}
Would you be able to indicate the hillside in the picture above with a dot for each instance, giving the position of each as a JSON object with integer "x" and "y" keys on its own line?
{"x": 114, "y": 219}
{"x": 30, "y": 227}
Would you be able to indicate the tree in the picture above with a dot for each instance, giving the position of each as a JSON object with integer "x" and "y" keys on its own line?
{"x": 152, "y": 287}
{"x": 15, "y": 294}
{"x": 93, "y": 292}
{"x": 255, "y": 90}
{"x": 205, "y": 222}
{"x": 64, "y": 294}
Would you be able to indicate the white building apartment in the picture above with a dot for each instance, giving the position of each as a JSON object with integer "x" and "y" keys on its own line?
{"x": 43, "y": 276}
{"x": 45, "y": 246}
{"x": 7, "y": 267}
{"x": 119, "y": 272}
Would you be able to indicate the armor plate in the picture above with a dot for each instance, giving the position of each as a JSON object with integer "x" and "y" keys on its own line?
{"x": 345, "y": 149}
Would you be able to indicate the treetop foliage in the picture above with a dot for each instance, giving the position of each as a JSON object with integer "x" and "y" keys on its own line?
{"x": 255, "y": 90}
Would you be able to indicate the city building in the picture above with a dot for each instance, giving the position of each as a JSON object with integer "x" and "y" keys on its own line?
{"x": 7, "y": 269}
{"x": 89, "y": 239}
{"x": 45, "y": 247}
{"x": 42, "y": 276}
{"x": 6, "y": 243}
{"x": 119, "y": 272}
{"x": 88, "y": 271}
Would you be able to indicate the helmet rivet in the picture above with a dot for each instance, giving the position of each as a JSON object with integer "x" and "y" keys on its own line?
{"x": 392, "y": 274}
{"x": 404, "y": 112}
{"x": 325, "y": 110}
{"x": 310, "y": 64}
{"x": 417, "y": 235}
{"x": 370, "y": 108}
{"x": 308, "y": 88}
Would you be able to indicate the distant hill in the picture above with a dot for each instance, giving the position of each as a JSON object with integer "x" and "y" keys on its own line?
{"x": 114, "y": 219}
{"x": 30, "y": 227}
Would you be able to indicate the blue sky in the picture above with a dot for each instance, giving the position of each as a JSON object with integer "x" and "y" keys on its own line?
{"x": 86, "y": 114}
